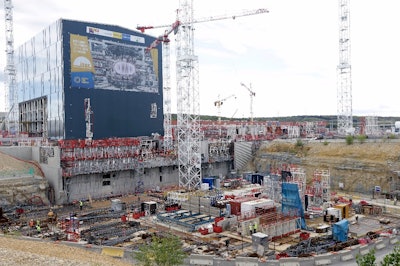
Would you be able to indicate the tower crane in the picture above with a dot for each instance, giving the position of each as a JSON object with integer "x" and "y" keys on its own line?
{"x": 218, "y": 104}
{"x": 188, "y": 106}
{"x": 252, "y": 94}
{"x": 344, "y": 89}
{"x": 11, "y": 96}
{"x": 177, "y": 23}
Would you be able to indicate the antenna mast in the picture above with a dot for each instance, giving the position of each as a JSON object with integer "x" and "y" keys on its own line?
{"x": 344, "y": 93}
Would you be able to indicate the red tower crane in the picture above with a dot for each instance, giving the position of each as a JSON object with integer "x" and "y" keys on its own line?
{"x": 188, "y": 117}
{"x": 174, "y": 26}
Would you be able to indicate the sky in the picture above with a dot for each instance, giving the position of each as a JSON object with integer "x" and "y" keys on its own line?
{"x": 288, "y": 56}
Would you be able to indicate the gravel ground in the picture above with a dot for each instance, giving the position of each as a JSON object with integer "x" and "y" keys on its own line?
{"x": 15, "y": 252}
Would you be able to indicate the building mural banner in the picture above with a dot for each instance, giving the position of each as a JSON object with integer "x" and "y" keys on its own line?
{"x": 82, "y": 68}
{"x": 120, "y": 61}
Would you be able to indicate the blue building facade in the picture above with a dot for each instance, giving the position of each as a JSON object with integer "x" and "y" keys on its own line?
{"x": 77, "y": 77}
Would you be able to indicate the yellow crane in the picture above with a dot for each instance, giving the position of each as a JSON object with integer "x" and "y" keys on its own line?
{"x": 218, "y": 104}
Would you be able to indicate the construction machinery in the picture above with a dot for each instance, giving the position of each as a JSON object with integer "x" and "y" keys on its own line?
{"x": 188, "y": 106}
{"x": 218, "y": 104}
{"x": 252, "y": 94}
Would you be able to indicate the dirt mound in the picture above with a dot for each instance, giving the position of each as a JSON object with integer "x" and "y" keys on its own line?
{"x": 32, "y": 252}
{"x": 11, "y": 166}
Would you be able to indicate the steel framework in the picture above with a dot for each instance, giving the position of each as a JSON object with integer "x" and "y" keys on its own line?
{"x": 11, "y": 95}
{"x": 188, "y": 109}
{"x": 188, "y": 105}
{"x": 252, "y": 94}
{"x": 168, "y": 135}
{"x": 344, "y": 88}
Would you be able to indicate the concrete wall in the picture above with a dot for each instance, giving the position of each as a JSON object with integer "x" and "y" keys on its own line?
{"x": 343, "y": 257}
{"x": 49, "y": 160}
{"x": 121, "y": 182}
{"x": 23, "y": 153}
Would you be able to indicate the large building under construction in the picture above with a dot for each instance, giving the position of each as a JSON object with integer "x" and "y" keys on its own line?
{"x": 91, "y": 95}
{"x": 78, "y": 80}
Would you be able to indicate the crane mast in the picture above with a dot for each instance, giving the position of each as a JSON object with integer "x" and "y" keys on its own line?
{"x": 252, "y": 94}
{"x": 11, "y": 96}
{"x": 168, "y": 138}
{"x": 344, "y": 87}
{"x": 188, "y": 109}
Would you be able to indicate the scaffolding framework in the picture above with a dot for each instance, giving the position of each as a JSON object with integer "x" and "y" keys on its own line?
{"x": 371, "y": 126}
{"x": 11, "y": 93}
{"x": 168, "y": 135}
{"x": 319, "y": 190}
{"x": 219, "y": 151}
{"x": 298, "y": 177}
{"x": 80, "y": 157}
{"x": 188, "y": 109}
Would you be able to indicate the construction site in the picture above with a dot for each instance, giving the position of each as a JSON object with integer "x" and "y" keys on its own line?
{"x": 236, "y": 192}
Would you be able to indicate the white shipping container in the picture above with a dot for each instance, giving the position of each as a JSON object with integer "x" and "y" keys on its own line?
{"x": 250, "y": 206}
{"x": 335, "y": 212}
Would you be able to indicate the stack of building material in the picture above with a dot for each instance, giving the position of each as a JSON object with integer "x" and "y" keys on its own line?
{"x": 248, "y": 209}
{"x": 236, "y": 205}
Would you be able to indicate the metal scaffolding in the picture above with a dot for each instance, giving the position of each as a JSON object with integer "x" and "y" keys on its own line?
{"x": 11, "y": 97}
{"x": 188, "y": 109}
{"x": 79, "y": 157}
{"x": 344, "y": 88}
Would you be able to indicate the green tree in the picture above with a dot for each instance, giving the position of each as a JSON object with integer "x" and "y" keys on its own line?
{"x": 162, "y": 251}
{"x": 349, "y": 140}
{"x": 299, "y": 144}
{"x": 366, "y": 260}
{"x": 362, "y": 138}
{"x": 393, "y": 258}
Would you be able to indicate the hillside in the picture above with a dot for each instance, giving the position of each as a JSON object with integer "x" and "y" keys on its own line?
{"x": 10, "y": 166}
{"x": 359, "y": 166}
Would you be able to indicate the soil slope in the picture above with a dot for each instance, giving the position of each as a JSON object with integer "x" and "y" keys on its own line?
{"x": 359, "y": 166}
{"x": 16, "y": 252}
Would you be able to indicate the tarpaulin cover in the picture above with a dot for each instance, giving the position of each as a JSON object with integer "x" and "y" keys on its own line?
{"x": 340, "y": 230}
{"x": 291, "y": 202}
